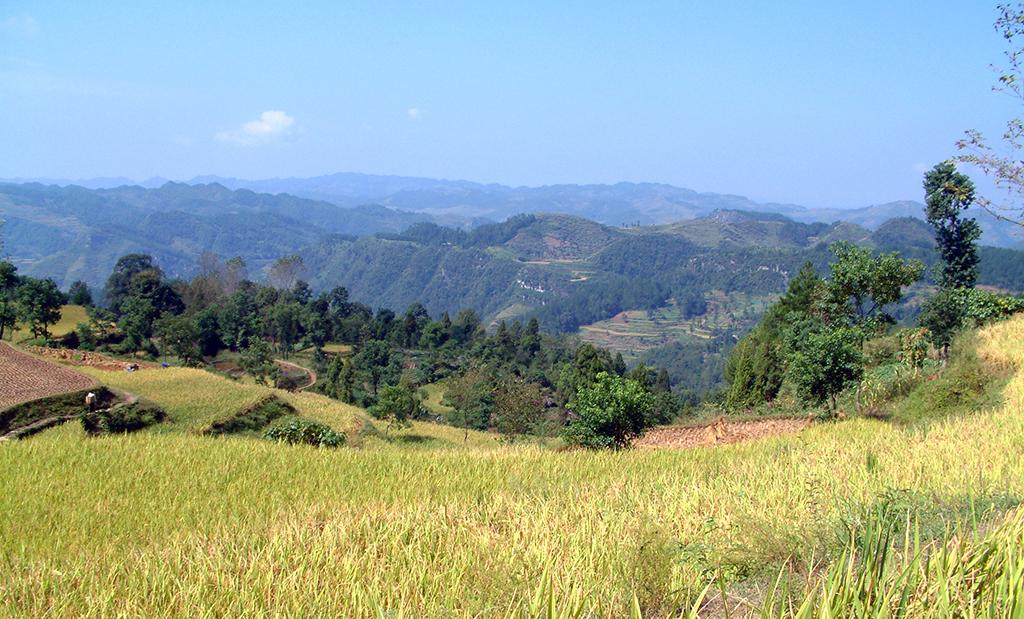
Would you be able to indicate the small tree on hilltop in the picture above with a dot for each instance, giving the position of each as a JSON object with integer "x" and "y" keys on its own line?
{"x": 610, "y": 412}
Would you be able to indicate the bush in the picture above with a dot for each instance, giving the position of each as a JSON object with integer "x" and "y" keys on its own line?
{"x": 123, "y": 418}
{"x": 609, "y": 413}
{"x": 253, "y": 417}
{"x": 290, "y": 382}
{"x": 298, "y": 431}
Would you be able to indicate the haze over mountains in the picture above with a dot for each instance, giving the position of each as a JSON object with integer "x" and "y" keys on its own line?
{"x": 467, "y": 203}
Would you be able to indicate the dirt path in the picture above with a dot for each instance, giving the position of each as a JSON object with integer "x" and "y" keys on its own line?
{"x": 310, "y": 374}
{"x": 721, "y": 432}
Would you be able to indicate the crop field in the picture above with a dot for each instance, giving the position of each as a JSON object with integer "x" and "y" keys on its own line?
{"x": 636, "y": 331}
{"x": 24, "y": 378}
{"x": 171, "y": 524}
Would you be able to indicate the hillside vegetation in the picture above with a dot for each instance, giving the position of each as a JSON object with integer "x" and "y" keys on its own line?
{"x": 151, "y": 519}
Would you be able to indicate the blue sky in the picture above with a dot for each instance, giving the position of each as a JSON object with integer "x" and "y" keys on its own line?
{"x": 817, "y": 103}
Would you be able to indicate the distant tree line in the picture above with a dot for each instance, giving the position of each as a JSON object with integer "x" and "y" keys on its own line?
{"x": 513, "y": 379}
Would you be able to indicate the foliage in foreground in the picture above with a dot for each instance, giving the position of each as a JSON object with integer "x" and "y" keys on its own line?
{"x": 298, "y": 431}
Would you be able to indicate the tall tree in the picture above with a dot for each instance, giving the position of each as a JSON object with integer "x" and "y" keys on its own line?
{"x": 119, "y": 283}
{"x": 948, "y": 193}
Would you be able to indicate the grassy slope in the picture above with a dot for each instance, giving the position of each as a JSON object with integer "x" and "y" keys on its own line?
{"x": 195, "y": 398}
{"x": 164, "y": 524}
{"x": 70, "y": 316}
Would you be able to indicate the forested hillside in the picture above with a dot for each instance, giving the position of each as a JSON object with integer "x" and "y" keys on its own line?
{"x": 676, "y": 295}
{"x": 571, "y": 273}
{"x": 71, "y": 233}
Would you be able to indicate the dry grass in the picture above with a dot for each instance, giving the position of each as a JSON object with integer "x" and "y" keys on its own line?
{"x": 179, "y": 525}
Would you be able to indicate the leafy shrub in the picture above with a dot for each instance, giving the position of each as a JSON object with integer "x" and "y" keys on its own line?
{"x": 298, "y": 431}
{"x": 253, "y": 417}
{"x": 123, "y": 418}
{"x": 609, "y": 413}
{"x": 950, "y": 310}
{"x": 882, "y": 350}
{"x": 290, "y": 382}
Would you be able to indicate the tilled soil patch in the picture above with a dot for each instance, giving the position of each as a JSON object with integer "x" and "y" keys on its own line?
{"x": 721, "y": 432}
{"x": 24, "y": 378}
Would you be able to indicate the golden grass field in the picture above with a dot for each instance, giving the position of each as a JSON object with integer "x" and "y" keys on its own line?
{"x": 70, "y": 316}
{"x": 171, "y": 524}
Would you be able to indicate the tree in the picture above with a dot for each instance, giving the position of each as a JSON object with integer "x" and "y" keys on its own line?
{"x": 208, "y": 332}
{"x": 136, "y": 322}
{"x": 861, "y": 286}
{"x": 234, "y": 274}
{"x": 8, "y": 284}
{"x": 79, "y": 294}
{"x": 947, "y": 194}
{"x": 257, "y": 360}
{"x": 39, "y": 304}
{"x": 397, "y": 404}
{"x": 286, "y": 326}
{"x": 518, "y": 407}
{"x": 118, "y": 285}
{"x": 373, "y": 360}
{"x": 286, "y": 271}
{"x": 471, "y": 397}
{"x": 826, "y": 361}
{"x": 1006, "y": 170}
{"x": 179, "y": 336}
{"x": 756, "y": 366}
{"x": 610, "y": 412}
{"x": 942, "y": 315}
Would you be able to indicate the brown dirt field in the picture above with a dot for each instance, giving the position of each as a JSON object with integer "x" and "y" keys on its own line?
{"x": 24, "y": 378}
{"x": 86, "y": 358}
{"x": 721, "y": 432}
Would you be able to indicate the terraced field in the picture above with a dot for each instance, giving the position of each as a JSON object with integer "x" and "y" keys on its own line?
{"x": 24, "y": 378}
{"x": 634, "y": 332}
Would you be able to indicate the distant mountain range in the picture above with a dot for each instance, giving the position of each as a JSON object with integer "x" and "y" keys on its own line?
{"x": 466, "y": 203}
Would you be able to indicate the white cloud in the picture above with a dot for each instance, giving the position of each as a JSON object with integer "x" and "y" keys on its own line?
{"x": 270, "y": 125}
{"x": 413, "y": 113}
{"x": 22, "y": 24}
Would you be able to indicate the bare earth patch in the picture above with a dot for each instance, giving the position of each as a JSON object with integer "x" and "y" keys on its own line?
{"x": 24, "y": 378}
{"x": 89, "y": 359}
{"x": 721, "y": 432}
